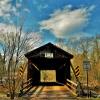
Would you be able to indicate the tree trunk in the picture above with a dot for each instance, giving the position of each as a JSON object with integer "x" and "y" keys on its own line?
{"x": 12, "y": 95}
{"x": 1, "y": 80}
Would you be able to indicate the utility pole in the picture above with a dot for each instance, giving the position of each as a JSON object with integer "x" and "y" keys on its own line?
{"x": 87, "y": 85}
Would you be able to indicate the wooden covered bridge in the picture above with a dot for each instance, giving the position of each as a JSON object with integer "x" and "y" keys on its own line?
{"x": 48, "y": 65}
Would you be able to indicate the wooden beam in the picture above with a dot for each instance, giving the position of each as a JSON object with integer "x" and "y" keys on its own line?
{"x": 35, "y": 66}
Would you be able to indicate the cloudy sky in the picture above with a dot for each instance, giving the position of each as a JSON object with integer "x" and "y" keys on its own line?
{"x": 52, "y": 19}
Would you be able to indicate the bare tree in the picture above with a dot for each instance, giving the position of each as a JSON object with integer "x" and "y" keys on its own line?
{"x": 96, "y": 47}
{"x": 14, "y": 45}
{"x": 2, "y": 69}
{"x": 95, "y": 57}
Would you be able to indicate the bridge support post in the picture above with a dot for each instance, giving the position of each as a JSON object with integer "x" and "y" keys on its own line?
{"x": 78, "y": 90}
{"x": 21, "y": 90}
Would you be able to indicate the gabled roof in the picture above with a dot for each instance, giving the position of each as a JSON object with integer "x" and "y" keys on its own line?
{"x": 50, "y": 45}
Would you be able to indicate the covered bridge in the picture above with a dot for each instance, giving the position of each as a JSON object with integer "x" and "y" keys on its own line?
{"x": 48, "y": 65}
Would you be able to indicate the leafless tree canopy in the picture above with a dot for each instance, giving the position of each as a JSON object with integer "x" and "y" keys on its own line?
{"x": 14, "y": 45}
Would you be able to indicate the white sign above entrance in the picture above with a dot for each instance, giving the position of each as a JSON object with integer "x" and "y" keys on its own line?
{"x": 49, "y": 55}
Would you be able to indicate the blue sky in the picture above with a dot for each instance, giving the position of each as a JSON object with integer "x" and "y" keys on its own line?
{"x": 53, "y": 19}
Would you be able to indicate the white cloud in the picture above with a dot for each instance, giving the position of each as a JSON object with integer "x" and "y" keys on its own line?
{"x": 9, "y": 28}
{"x": 18, "y": 5}
{"x": 5, "y": 7}
{"x": 26, "y": 10}
{"x": 65, "y": 22}
{"x": 7, "y": 10}
{"x": 41, "y": 7}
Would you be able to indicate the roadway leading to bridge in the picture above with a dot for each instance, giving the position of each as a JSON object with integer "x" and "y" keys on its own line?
{"x": 49, "y": 93}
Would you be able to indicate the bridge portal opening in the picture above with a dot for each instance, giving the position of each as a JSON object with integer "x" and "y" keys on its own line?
{"x": 48, "y": 75}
